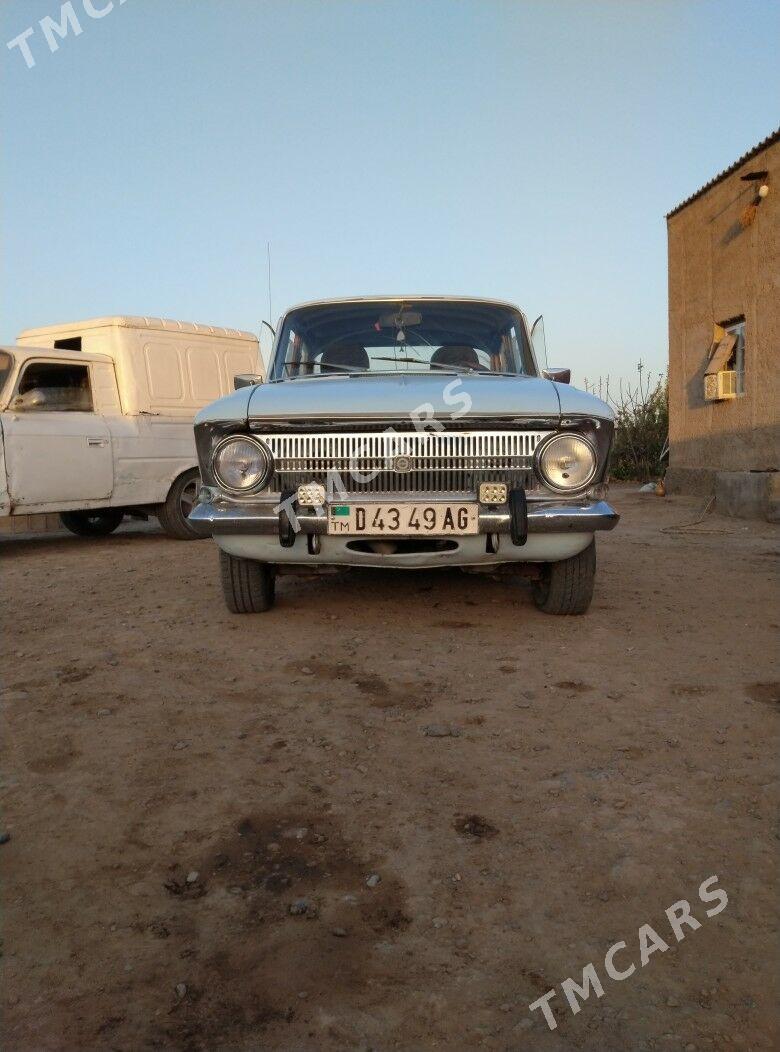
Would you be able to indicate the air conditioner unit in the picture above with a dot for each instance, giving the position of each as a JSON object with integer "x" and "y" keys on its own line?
{"x": 720, "y": 386}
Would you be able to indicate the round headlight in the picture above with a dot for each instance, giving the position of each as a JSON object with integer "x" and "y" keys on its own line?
{"x": 242, "y": 464}
{"x": 567, "y": 462}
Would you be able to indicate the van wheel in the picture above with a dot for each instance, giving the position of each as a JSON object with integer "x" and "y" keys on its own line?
{"x": 178, "y": 504}
{"x": 566, "y": 587}
{"x": 248, "y": 587}
{"x": 97, "y": 523}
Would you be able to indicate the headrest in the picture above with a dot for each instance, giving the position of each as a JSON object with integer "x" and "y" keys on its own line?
{"x": 455, "y": 354}
{"x": 344, "y": 356}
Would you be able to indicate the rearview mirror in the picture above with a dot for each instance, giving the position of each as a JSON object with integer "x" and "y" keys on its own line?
{"x": 558, "y": 374}
{"x": 246, "y": 380}
{"x": 402, "y": 319}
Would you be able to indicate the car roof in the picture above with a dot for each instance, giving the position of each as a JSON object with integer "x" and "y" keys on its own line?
{"x": 125, "y": 321}
{"x": 405, "y": 299}
{"x": 24, "y": 351}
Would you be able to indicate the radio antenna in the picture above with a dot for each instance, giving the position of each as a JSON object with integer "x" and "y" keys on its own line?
{"x": 268, "y": 255}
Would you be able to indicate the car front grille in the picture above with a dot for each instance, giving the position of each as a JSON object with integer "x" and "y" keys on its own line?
{"x": 388, "y": 462}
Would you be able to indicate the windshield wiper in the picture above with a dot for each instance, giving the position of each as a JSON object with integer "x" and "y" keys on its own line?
{"x": 348, "y": 370}
{"x": 335, "y": 370}
{"x": 431, "y": 365}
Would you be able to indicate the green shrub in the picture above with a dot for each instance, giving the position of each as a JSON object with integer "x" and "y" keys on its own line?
{"x": 641, "y": 426}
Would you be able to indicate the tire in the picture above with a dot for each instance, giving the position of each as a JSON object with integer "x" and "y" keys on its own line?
{"x": 566, "y": 587}
{"x": 96, "y": 523}
{"x": 172, "y": 515}
{"x": 248, "y": 587}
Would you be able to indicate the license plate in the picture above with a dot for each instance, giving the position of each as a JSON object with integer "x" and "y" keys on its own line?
{"x": 407, "y": 520}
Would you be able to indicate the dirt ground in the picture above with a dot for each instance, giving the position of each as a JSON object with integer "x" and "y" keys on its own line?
{"x": 235, "y": 833}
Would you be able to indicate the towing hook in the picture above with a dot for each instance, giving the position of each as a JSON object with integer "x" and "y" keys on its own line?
{"x": 286, "y": 528}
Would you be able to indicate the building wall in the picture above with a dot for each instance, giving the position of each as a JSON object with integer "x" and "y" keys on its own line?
{"x": 718, "y": 271}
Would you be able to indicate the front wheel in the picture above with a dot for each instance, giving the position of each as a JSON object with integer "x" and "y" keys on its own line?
{"x": 96, "y": 523}
{"x": 566, "y": 587}
{"x": 180, "y": 501}
{"x": 249, "y": 587}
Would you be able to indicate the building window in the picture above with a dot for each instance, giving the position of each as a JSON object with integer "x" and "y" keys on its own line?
{"x": 736, "y": 328}
{"x": 724, "y": 375}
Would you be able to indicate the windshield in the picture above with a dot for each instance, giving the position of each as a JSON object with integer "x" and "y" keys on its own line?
{"x": 410, "y": 336}
{"x": 6, "y": 365}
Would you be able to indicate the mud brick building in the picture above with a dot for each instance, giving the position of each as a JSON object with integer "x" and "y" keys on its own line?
{"x": 724, "y": 337}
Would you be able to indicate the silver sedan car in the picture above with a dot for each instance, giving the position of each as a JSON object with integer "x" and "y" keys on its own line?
{"x": 409, "y": 432}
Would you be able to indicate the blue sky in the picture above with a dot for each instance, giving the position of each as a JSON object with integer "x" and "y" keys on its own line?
{"x": 527, "y": 151}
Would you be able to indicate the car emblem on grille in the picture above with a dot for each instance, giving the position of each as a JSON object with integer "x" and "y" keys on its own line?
{"x": 402, "y": 464}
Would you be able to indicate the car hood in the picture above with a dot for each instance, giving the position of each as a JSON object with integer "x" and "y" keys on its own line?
{"x": 417, "y": 397}
{"x": 575, "y": 403}
{"x": 232, "y": 407}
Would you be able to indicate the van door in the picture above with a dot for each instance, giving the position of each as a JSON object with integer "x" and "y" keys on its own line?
{"x": 57, "y": 448}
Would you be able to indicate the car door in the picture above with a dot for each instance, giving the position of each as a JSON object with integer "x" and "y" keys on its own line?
{"x": 57, "y": 448}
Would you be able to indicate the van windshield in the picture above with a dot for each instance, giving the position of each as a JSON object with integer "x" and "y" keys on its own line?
{"x": 409, "y": 336}
{"x": 6, "y": 365}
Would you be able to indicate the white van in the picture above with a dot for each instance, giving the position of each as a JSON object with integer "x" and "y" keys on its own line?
{"x": 96, "y": 418}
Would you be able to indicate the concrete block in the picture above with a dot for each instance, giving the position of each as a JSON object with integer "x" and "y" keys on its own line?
{"x": 748, "y": 494}
{"x": 10, "y": 525}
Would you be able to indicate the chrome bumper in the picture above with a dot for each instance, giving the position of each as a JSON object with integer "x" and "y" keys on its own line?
{"x": 543, "y": 517}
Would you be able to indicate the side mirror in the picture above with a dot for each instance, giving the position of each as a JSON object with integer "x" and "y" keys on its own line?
{"x": 246, "y": 380}
{"x": 558, "y": 374}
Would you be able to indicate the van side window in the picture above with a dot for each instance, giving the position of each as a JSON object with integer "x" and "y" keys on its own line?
{"x": 54, "y": 387}
{"x": 68, "y": 343}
